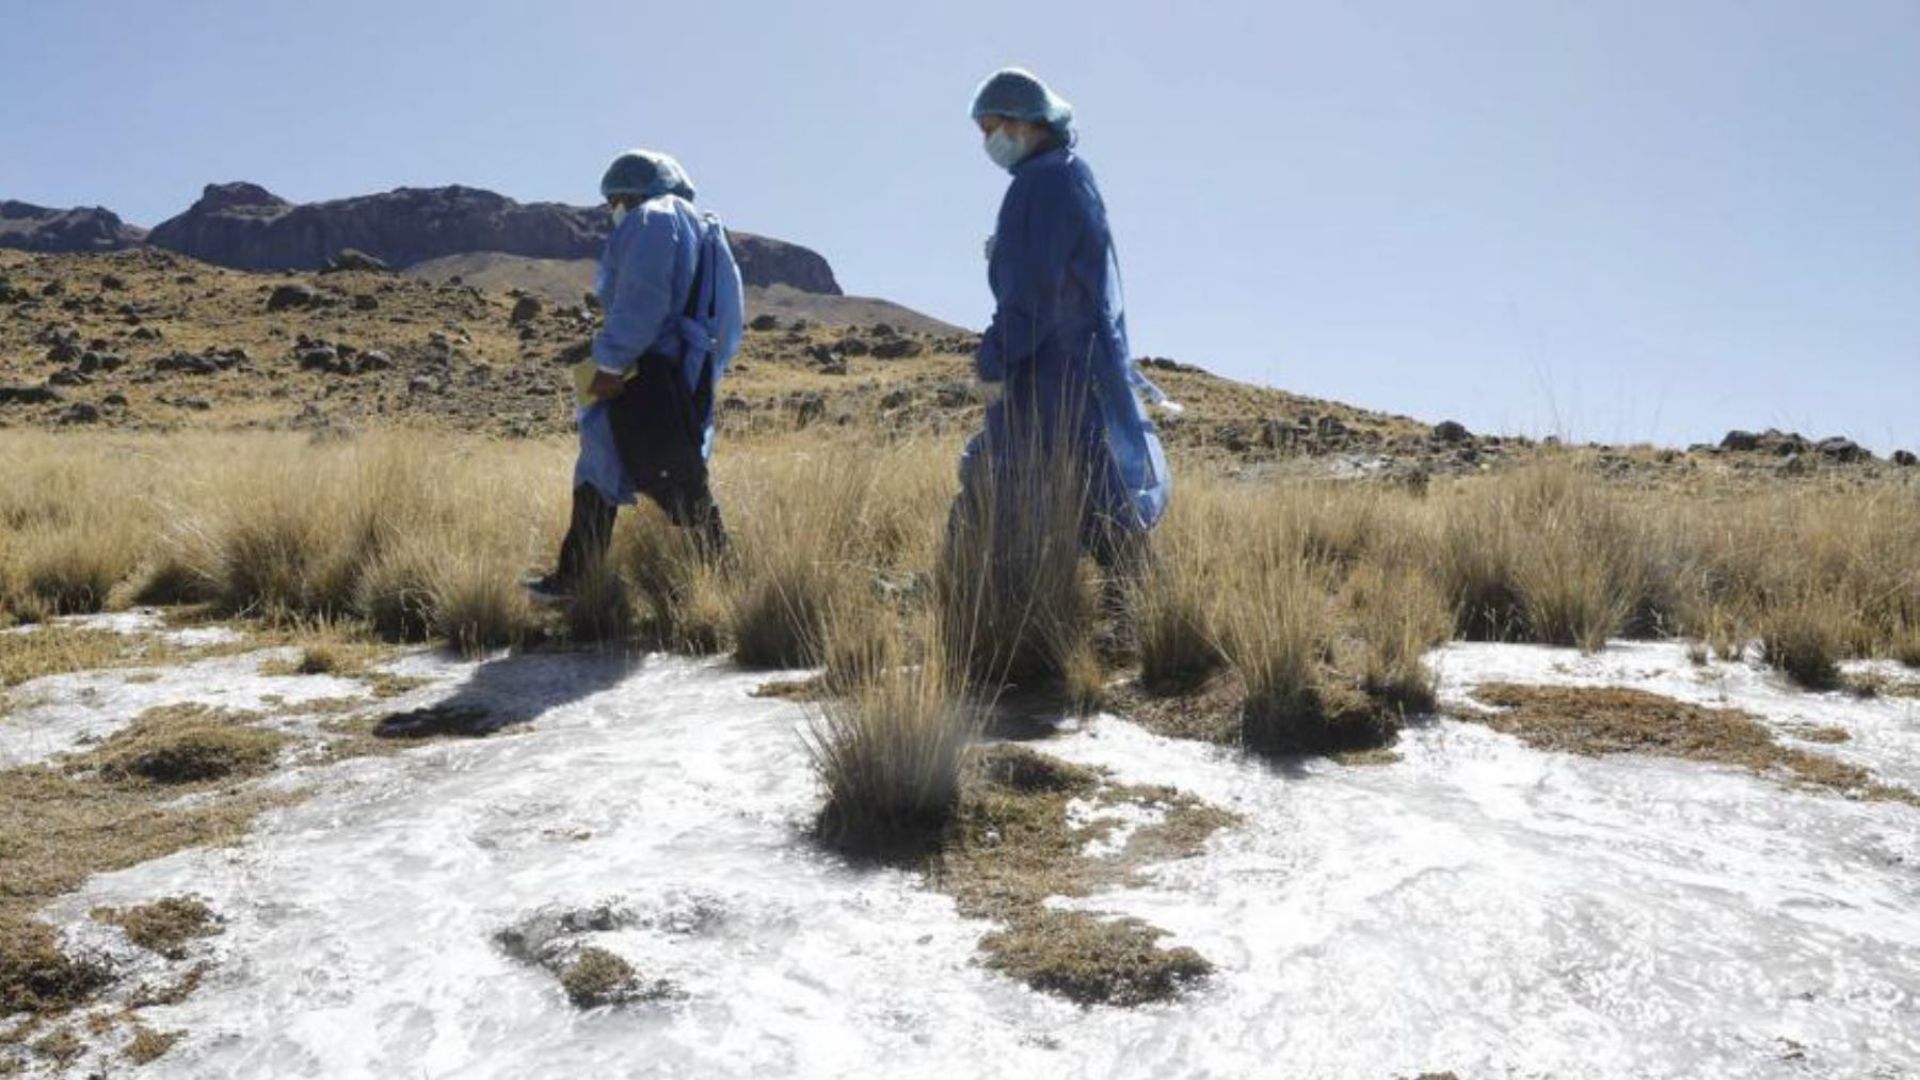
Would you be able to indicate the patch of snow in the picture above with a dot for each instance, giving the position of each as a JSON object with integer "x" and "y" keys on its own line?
{"x": 1477, "y": 906}
{"x": 59, "y": 713}
{"x": 1120, "y": 819}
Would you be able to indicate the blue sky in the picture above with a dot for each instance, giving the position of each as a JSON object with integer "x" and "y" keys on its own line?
{"x": 1620, "y": 220}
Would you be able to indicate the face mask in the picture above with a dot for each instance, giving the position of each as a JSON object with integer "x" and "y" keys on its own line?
{"x": 1006, "y": 150}
{"x": 619, "y": 213}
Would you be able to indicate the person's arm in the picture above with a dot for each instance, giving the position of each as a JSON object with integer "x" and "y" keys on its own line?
{"x": 640, "y": 289}
{"x": 1039, "y": 230}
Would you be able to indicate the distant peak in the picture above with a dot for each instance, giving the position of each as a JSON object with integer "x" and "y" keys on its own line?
{"x": 238, "y": 193}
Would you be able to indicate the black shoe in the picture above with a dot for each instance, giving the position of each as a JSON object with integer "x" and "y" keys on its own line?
{"x": 548, "y": 589}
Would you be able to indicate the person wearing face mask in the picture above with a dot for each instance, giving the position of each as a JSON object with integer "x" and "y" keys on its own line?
{"x": 673, "y": 316}
{"x": 1054, "y": 364}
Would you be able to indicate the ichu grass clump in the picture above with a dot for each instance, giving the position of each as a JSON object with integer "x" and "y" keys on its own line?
{"x": 888, "y": 743}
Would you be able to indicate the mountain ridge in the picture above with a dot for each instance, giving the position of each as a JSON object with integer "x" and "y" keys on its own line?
{"x": 244, "y": 226}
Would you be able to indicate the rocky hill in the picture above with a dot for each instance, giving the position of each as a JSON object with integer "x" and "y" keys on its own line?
{"x": 563, "y": 281}
{"x": 145, "y": 340}
{"x": 246, "y": 227}
{"x": 27, "y": 227}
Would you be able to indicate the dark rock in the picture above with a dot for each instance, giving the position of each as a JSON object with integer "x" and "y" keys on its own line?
{"x": 81, "y": 412}
{"x": 809, "y": 408}
{"x": 896, "y": 348}
{"x": 837, "y": 367}
{"x": 896, "y": 398}
{"x": 526, "y": 309}
{"x": 1905, "y": 459}
{"x": 28, "y": 395}
{"x": 366, "y": 302}
{"x": 1783, "y": 443}
{"x": 884, "y": 330}
{"x": 375, "y": 360}
{"x": 1161, "y": 363}
{"x": 1740, "y": 441}
{"x": 187, "y": 364}
{"x": 146, "y": 333}
{"x": 115, "y": 400}
{"x": 1451, "y": 432}
{"x": 64, "y": 352}
{"x": 287, "y": 297}
{"x": 764, "y": 324}
{"x": 1843, "y": 451}
{"x": 852, "y": 346}
{"x": 324, "y": 360}
{"x": 191, "y": 404}
{"x": 68, "y": 377}
{"x": 111, "y": 282}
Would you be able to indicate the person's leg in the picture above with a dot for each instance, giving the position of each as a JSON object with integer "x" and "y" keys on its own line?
{"x": 588, "y": 535}
{"x": 691, "y": 505}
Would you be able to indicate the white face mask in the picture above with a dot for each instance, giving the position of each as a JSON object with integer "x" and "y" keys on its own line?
{"x": 619, "y": 213}
{"x": 1006, "y": 150}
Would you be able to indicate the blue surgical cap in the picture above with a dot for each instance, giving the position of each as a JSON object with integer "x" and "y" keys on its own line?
{"x": 645, "y": 174}
{"x": 1021, "y": 95}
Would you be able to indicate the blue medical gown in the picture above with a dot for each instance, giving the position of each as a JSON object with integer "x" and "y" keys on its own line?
{"x": 646, "y": 274}
{"x": 1058, "y": 346}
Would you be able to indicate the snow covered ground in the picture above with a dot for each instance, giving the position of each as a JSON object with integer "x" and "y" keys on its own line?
{"x": 1477, "y": 906}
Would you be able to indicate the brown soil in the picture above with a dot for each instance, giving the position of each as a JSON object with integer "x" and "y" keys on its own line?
{"x": 1616, "y": 720}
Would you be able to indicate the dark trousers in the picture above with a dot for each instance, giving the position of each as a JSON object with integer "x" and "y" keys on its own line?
{"x": 690, "y": 506}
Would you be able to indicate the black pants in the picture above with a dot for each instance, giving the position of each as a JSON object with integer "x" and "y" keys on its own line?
{"x": 690, "y": 506}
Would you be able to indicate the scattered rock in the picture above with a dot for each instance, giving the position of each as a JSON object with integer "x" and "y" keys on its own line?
{"x": 1451, "y": 432}
{"x": 852, "y": 346}
{"x": 292, "y": 297}
{"x": 764, "y": 324}
{"x": 1905, "y": 458}
{"x": 526, "y": 309}
{"x": 80, "y": 412}
{"x": 896, "y": 348}
{"x": 375, "y": 360}
{"x": 1843, "y": 451}
{"x": 366, "y": 302}
{"x": 324, "y": 360}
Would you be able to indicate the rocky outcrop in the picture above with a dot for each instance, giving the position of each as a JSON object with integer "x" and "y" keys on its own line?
{"x": 82, "y": 229}
{"x": 765, "y": 262}
{"x": 248, "y": 227}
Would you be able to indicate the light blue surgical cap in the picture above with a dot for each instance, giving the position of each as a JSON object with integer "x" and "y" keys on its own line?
{"x": 646, "y": 174}
{"x": 1020, "y": 94}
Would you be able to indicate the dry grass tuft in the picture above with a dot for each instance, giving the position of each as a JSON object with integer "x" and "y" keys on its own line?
{"x": 888, "y": 743}
{"x": 1094, "y": 960}
{"x": 164, "y": 926}
{"x": 185, "y": 744}
{"x": 37, "y": 976}
{"x": 1009, "y": 584}
{"x": 148, "y": 1046}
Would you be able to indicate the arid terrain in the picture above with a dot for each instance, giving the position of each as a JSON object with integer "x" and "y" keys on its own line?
{"x": 1407, "y": 739}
